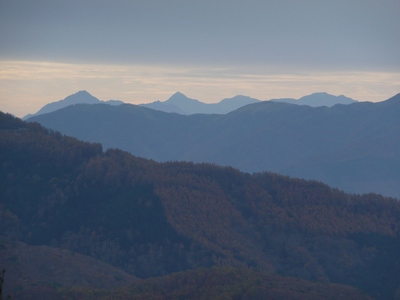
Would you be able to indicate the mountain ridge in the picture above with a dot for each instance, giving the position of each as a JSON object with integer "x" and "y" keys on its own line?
{"x": 154, "y": 219}
{"x": 296, "y": 140}
{"x": 181, "y": 104}
{"x": 80, "y": 97}
{"x": 319, "y": 99}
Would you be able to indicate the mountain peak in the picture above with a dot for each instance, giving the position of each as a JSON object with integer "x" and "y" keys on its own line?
{"x": 318, "y": 99}
{"x": 181, "y": 104}
{"x": 82, "y": 92}
{"x": 178, "y": 96}
{"x": 324, "y": 99}
{"x": 240, "y": 99}
{"x": 80, "y": 97}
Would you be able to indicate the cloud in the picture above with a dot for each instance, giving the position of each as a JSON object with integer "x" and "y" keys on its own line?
{"x": 360, "y": 34}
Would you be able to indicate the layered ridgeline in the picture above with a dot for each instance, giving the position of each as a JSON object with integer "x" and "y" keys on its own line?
{"x": 153, "y": 219}
{"x": 318, "y": 99}
{"x": 81, "y": 97}
{"x": 179, "y": 103}
{"x": 354, "y": 147}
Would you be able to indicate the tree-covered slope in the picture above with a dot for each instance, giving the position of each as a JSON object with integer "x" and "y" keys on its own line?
{"x": 222, "y": 283}
{"x": 153, "y": 219}
{"x": 43, "y": 268}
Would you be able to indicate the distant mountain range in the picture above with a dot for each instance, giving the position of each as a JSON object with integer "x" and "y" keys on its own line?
{"x": 354, "y": 147}
{"x": 81, "y": 97}
{"x": 179, "y": 103}
{"x": 318, "y": 99}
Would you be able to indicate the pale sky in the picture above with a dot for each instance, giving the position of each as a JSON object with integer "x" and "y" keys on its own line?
{"x": 142, "y": 51}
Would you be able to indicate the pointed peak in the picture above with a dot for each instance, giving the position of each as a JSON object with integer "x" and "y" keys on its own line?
{"x": 82, "y": 93}
{"x": 178, "y": 95}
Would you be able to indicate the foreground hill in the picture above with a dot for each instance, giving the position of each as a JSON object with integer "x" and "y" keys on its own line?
{"x": 152, "y": 219}
{"x": 222, "y": 283}
{"x": 42, "y": 268}
{"x": 355, "y": 147}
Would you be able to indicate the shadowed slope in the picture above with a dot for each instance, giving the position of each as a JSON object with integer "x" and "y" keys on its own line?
{"x": 354, "y": 147}
{"x": 153, "y": 219}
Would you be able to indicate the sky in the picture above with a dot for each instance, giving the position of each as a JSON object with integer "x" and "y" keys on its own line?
{"x": 143, "y": 51}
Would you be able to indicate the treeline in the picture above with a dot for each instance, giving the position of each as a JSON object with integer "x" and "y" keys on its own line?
{"x": 153, "y": 219}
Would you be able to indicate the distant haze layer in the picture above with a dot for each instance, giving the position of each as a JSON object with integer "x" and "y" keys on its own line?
{"x": 25, "y": 87}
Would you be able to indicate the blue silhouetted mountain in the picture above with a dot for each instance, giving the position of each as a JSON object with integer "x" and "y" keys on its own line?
{"x": 355, "y": 147}
{"x": 318, "y": 99}
{"x": 181, "y": 104}
{"x": 81, "y": 97}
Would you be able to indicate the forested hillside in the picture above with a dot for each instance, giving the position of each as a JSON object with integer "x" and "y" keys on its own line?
{"x": 222, "y": 283}
{"x": 353, "y": 147}
{"x": 153, "y": 219}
